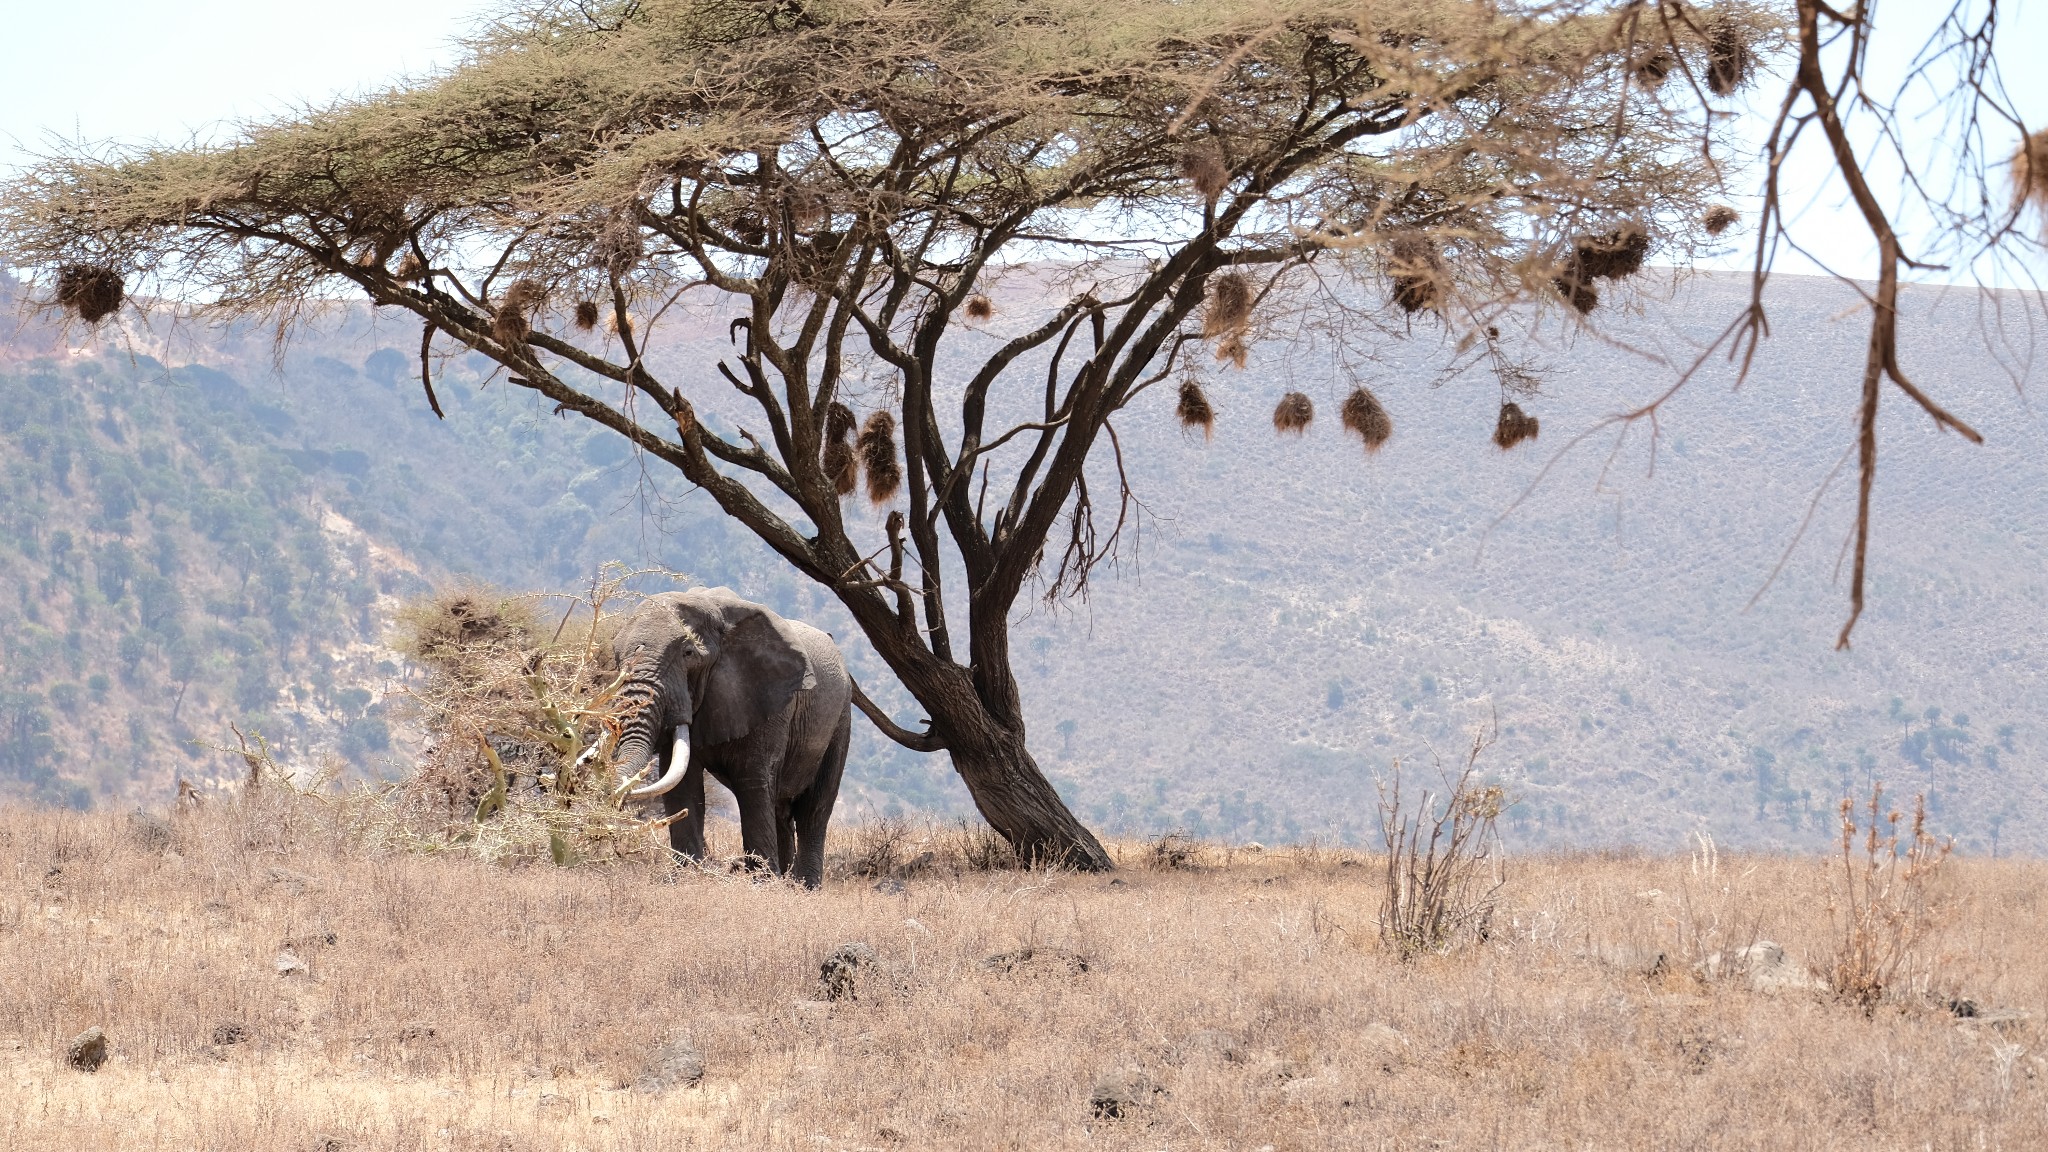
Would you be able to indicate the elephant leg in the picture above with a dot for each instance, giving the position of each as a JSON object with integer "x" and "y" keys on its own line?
{"x": 686, "y": 835}
{"x": 813, "y": 809}
{"x": 785, "y": 837}
{"x": 756, "y": 802}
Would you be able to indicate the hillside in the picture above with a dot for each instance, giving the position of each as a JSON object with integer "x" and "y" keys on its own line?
{"x": 1295, "y": 618}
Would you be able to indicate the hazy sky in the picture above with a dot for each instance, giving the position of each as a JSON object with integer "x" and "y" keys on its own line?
{"x": 141, "y": 69}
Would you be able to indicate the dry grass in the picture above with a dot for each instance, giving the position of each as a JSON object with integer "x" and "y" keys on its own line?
{"x": 447, "y": 1003}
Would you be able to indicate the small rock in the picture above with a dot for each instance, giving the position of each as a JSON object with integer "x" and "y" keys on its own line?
{"x": 290, "y": 881}
{"x": 289, "y": 964}
{"x": 1771, "y": 970}
{"x": 87, "y": 1050}
{"x": 1037, "y": 960}
{"x": 1215, "y": 1042}
{"x": 890, "y": 886}
{"x": 1119, "y": 1093}
{"x": 1387, "y": 1045}
{"x": 151, "y": 833}
{"x": 839, "y": 977}
{"x": 675, "y": 1063}
{"x": 230, "y": 1032}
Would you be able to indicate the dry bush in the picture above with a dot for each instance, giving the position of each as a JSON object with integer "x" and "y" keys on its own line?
{"x": 1441, "y": 890}
{"x": 521, "y": 721}
{"x": 1885, "y": 903}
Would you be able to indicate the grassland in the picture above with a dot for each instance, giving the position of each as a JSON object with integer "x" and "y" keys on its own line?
{"x": 1241, "y": 999}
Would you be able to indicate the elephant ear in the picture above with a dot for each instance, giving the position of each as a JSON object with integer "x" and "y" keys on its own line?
{"x": 755, "y": 674}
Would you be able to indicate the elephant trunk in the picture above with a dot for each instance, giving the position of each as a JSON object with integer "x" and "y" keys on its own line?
{"x": 677, "y": 765}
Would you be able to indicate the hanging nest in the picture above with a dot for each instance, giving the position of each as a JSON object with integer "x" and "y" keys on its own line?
{"x": 1230, "y": 307}
{"x": 1514, "y": 426}
{"x": 979, "y": 307}
{"x": 1719, "y": 219}
{"x": 618, "y": 249}
{"x": 2030, "y": 173}
{"x": 1651, "y": 72}
{"x": 1294, "y": 413}
{"x": 411, "y": 267}
{"x": 1417, "y": 270}
{"x": 586, "y": 314}
{"x": 1729, "y": 58}
{"x": 1612, "y": 256}
{"x": 90, "y": 290}
{"x": 841, "y": 467}
{"x": 1194, "y": 409}
{"x": 1364, "y": 414}
{"x": 1232, "y": 350}
{"x": 878, "y": 456}
{"x": 1578, "y": 291}
{"x": 1203, "y": 167}
{"x": 510, "y": 323}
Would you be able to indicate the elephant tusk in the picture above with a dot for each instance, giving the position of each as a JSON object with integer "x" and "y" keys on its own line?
{"x": 677, "y": 765}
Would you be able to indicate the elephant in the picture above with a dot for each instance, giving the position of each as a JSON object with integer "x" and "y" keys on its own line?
{"x": 711, "y": 682}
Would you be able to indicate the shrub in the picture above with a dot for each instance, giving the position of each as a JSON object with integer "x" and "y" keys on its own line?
{"x": 1885, "y": 902}
{"x": 1440, "y": 888}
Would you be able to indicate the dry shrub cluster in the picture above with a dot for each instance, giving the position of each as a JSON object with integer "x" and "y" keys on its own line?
{"x": 1443, "y": 862}
{"x": 1886, "y": 904}
{"x": 521, "y": 715}
{"x": 433, "y": 1002}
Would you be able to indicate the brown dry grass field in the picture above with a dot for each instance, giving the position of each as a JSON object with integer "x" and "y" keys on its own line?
{"x": 1240, "y": 999}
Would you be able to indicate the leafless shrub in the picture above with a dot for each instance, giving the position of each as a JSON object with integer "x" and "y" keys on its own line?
{"x": 1885, "y": 902}
{"x": 1441, "y": 887}
{"x": 1171, "y": 852}
{"x": 878, "y": 848}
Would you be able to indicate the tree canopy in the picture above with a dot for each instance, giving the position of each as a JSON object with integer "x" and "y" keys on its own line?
{"x": 847, "y": 179}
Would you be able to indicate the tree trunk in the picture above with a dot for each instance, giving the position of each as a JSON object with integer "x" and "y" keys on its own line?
{"x": 1018, "y": 801}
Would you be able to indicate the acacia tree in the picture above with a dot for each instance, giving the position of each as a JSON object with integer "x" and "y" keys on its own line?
{"x": 849, "y": 179}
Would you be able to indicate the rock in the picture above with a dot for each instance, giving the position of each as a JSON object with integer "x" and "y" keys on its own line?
{"x": 289, "y": 964}
{"x": 151, "y": 833}
{"x": 1387, "y": 1045}
{"x": 675, "y": 1063}
{"x": 1215, "y": 1042}
{"x": 839, "y": 977}
{"x": 1254, "y": 846}
{"x": 87, "y": 1050}
{"x": 1119, "y": 1093}
{"x": 1037, "y": 960}
{"x": 1771, "y": 970}
{"x": 230, "y": 1032}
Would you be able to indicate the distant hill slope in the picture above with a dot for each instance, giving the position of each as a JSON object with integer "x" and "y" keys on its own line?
{"x": 1296, "y": 618}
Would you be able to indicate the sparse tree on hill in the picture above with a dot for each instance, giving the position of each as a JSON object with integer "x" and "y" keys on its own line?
{"x": 848, "y": 181}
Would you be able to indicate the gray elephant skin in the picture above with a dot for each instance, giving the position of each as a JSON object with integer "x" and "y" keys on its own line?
{"x": 713, "y": 683}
